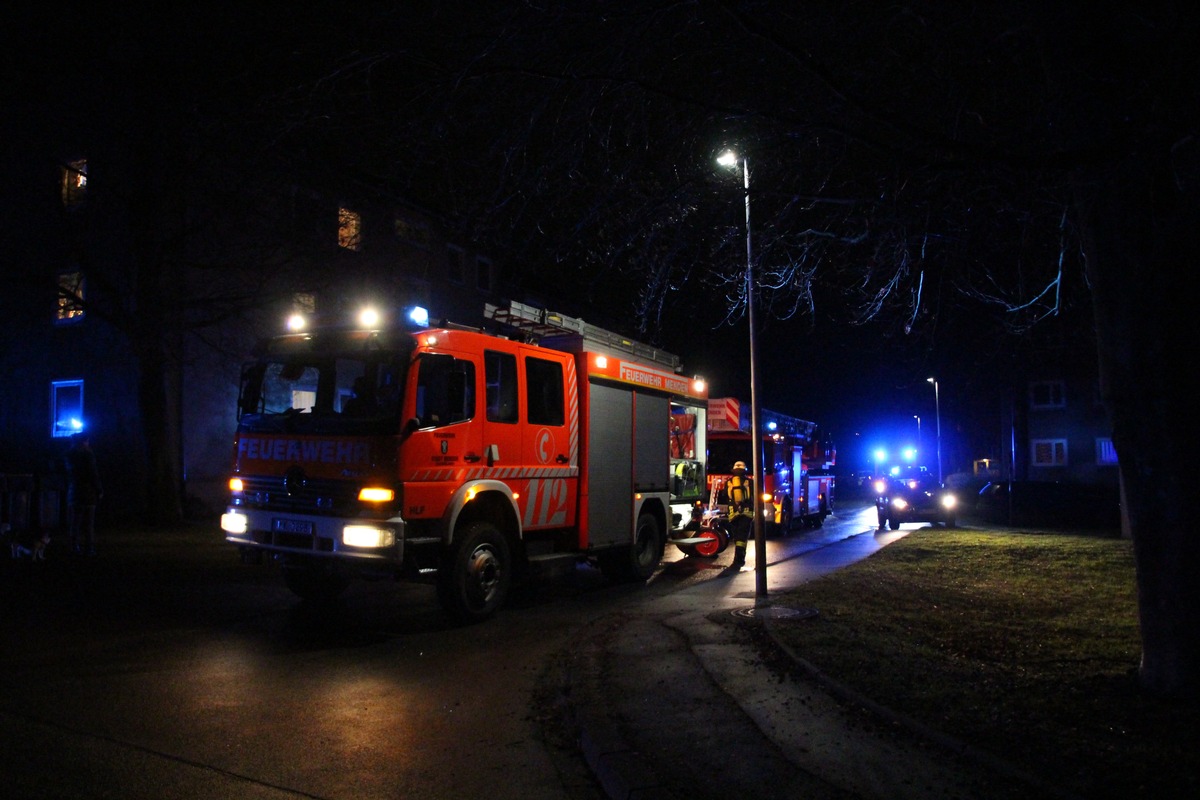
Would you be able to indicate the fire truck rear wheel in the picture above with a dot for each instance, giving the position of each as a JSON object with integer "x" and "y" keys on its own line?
{"x": 638, "y": 561}
{"x": 315, "y": 582}
{"x": 476, "y": 574}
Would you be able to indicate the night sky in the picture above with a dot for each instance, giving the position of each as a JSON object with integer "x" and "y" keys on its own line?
{"x": 577, "y": 143}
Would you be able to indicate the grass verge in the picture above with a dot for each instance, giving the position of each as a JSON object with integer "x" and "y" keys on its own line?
{"x": 1023, "y": 644}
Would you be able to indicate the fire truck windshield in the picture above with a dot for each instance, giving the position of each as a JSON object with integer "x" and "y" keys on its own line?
{"x": 315, "y": 386}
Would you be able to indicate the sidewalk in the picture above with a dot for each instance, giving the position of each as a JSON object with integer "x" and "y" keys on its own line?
{"x": 676, "y": 699}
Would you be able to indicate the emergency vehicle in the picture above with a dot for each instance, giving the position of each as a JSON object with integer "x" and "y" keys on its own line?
{"x": 797, "y": 463}
{"x": 461, "y": 456}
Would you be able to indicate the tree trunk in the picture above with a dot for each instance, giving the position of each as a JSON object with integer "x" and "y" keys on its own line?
{"x": 1140, "y": 224}
{"x": 164, "y": 503}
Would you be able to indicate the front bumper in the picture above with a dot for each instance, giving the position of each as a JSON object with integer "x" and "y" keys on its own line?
{"x": 355, "y": 538}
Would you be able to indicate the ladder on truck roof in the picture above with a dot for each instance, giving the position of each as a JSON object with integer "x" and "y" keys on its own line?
{"x": 789, "y": 426}
{"x": 548, "y": 326}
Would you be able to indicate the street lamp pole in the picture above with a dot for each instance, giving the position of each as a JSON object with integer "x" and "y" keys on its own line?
{"x": 937, "y": 405}
{"x": 920, "y": 444}
{"x": 728, "y": 159}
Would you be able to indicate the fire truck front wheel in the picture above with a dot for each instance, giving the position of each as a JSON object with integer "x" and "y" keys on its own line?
{"x": 476, "y": 573}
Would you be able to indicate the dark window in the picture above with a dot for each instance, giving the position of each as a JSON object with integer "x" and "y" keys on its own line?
{"x": 454, "y": 264}
{"x": 501, "y": 376}
{"x": 544, "y": 390}
{"x": 445, "y": 390}
{"x": 1048, "y": 452}
{"x": 1047, "y": 394}
{"x": 413, "y": 233}
{"x": 483, "y": 274}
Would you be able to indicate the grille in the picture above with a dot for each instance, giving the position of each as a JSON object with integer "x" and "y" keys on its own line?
{"x": 307, "y": 495}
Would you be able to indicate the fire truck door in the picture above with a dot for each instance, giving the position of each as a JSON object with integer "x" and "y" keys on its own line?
{"x": 502, "y": 417}
{"x": 549, "y": 441}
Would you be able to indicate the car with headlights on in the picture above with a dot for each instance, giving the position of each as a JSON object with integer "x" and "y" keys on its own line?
{"x": 911, "y": 494}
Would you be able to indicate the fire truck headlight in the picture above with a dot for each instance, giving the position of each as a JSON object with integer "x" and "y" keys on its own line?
{"x": 368, "y": 536}
{"x": 880, "y": 486}
{"x": 232, "y": 522}
{"x": 949, "y": 501}
{"x": 376, "y": 494}
{"x": 899, "y": 503}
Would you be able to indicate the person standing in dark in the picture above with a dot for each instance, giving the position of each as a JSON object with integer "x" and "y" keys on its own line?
{"x": 84, "y": 491}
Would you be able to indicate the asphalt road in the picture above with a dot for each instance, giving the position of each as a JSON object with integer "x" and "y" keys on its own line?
{"x": 165, "y": 669}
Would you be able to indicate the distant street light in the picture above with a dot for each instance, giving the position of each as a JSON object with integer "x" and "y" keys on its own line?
{"x": 731, "y": 159}
{"x": 937, "y": 405}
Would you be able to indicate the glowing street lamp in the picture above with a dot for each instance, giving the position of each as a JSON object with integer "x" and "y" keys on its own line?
{"x": 937, "y": 405}
{"x": 731, "y": 159}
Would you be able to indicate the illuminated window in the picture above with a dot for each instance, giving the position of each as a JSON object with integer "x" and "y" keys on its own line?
{"x": 454, "y": 264}
{"x": 1048, "y": 452}
{"x": 70, "y": 297}
{"x": 74, "y": 183}
{"x": 66, "y": 407}
{"x": 1106, "y": 453}
{"x": 349, "y": 229}
{"x": 483, "y": 274}
{"x": 1047, "y": 394}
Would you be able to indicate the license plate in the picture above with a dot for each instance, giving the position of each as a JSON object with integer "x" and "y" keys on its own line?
{"x": 291, "y": 526}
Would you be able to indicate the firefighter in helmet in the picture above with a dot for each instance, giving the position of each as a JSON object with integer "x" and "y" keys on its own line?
{"x": 740, "y": 489}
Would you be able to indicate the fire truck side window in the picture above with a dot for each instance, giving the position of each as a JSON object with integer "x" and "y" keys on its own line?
{"x": 445, "y": 390}
{"x": 501, "y": 377}
{"x": 544, "y": 391}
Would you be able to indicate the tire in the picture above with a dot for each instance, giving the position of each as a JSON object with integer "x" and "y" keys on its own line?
{"x": 893, "y": 523}
{"x": 638, "y": 561}
{"x": 476, "y": 573}
{"x": 951, "y": 521}
{"x": 317, "y": 583}
{"x": 882, "y": 518}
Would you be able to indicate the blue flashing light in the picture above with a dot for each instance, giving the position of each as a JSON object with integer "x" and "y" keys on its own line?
{"x": 418, "y": 316}
{"x": 772, "y": 425}
{"x": 910, "y": 454}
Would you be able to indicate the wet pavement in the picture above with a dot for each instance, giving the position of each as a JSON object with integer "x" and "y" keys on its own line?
{"x": 674, "y": 699}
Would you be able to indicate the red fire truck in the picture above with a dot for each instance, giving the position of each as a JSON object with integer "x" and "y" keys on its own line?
{"x": 461, "y": 456}
{"x": 797, "y": 462}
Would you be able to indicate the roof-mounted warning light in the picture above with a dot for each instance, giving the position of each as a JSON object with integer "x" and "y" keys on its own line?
{"x": 418, "y": 316}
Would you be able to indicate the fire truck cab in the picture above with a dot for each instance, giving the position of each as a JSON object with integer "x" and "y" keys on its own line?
{"x": 460, "y": 456}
